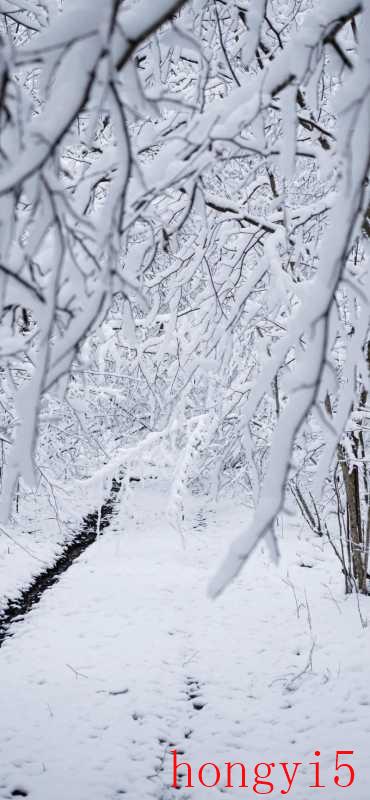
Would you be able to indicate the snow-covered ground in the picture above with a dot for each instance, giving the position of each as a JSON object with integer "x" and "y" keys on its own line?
{"x": 31, "y": 542}
{"x": 127, "y": 659}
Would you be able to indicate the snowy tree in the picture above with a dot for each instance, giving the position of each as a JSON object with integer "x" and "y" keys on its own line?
{"x": 66, "y": 165}
{"x": 204, "y": 165}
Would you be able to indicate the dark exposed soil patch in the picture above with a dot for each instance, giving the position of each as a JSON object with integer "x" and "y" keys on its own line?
{"x": 92, "y": 525}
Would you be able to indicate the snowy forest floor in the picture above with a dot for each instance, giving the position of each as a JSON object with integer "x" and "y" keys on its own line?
{"x": 126, "y": 658}
{"x": 34, "y": 540}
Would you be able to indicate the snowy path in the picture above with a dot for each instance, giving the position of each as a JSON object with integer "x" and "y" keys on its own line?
{"x": 126, "y": 658}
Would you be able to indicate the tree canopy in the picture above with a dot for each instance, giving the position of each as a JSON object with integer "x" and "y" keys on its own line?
{"x": 184, "y": 212}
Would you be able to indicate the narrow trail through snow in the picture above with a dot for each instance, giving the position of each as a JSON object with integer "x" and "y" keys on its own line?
{"x": 126, "y": 659}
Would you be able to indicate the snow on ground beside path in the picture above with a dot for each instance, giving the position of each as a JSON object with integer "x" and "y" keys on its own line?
{"x": 30, "y": 544}
{"x": 33, "y": 540}
{"x": 126, "y": 658}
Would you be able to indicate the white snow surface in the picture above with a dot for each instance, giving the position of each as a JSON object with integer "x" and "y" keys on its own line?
{"x": 126, "y": 658}
{"x": 34, "y": 538}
